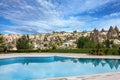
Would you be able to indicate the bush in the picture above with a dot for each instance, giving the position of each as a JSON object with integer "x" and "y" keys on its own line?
{"x": 93, "y": 52}
{"x": 84, "y": 42}
{"x": 70, "y": 51}
{"x": 100, "y": 52}
{"x": 119, "y": 51}
{"x": 1, "y": 42}
{"x": 22, "y": 51}
{"x": 97, "y": 52}
{"x": 1, "y": 50}
{"x": 44, "y": 50}
{"x": 23, "y": 43}
{"x": 106, "y": 51}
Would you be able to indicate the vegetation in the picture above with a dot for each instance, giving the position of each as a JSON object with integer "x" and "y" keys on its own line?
{"x": 70, "y": 51}
{"x": 23, "y": 43}
{"x": 54, "y": 46}
{"x": 108, "y": 43}
{"x": 84, "y": 45}
{"x": 102, "y": 51}
{"x": 84, "y": 42}
{"x": 23, "y": 51}
{"x": 1, "y": 41}
{"x": 105, "y": 48}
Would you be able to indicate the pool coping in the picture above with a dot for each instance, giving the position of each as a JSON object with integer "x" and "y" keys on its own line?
{"x": 103, "y": 76}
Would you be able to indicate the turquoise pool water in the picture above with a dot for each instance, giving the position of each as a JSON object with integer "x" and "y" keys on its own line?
{"x": 29, "y": 68}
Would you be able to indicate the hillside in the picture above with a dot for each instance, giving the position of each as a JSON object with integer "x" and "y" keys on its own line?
{"x": 64, "y": 39}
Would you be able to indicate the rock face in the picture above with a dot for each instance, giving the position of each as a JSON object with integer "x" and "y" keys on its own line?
{"x": 103, "y": 30}
{"x": 64, "y": 39}
{"x": 113, "y": 33}
{"x": 98, "y": 36}
{"x": 10, "y": 40}
{"x": 95, "y": 35}
{"x": 116, "y": 41}
{"x": 116, "y": 29}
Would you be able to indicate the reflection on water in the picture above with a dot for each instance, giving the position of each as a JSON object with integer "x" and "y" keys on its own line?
{"x": 26, "y": 60}
{"x": 113, "y": 63}
{"x": 29, "y": 68}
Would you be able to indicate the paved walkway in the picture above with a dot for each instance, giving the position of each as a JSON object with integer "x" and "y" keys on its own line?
{"x": 105, "y": 76}
{"x": 55, "y": 54}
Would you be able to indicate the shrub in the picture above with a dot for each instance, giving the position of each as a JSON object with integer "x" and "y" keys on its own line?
{"x": 119, "y": 51}
{"x": 96, "y": 52}
{"x": 23, "y": 43}
{"x": 1, "y": 50}
{"x": 1, "y": 42}
{"x": 113, "y": 53}
{"x": 106, "y": 51}
{"x": 22, "y": 51}
{"x": 93, "y": 52}
{"x": 84, "y": 42}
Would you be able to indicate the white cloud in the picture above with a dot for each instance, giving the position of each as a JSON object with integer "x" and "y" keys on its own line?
{"x": 45, "y": 4}
{"x": 80, "y": 6}
{"x": 92, "y": 4}
{"x": 12, "y": 32}
{"x": 49, "y": 15}
{"x": 106, "y": 23}
{"x": 44, "y": 16}
{"x": 110, "y": 22}
{"x": 112, "y": 15}
{"x": 115, "y": 14}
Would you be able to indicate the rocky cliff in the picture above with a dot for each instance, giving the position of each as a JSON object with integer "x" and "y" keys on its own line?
{"x": 64, "y": 39}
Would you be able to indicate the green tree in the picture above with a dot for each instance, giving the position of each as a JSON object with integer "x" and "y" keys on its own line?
{"x": 54, "y": 46}
{"x": 107, "y": 43}
{"x": 1, "y": 41}
{"x": 81, "y": 42}
{"x": 84, "y": 42}
{"x": 23, "y": 43}
{"x": 90, "y": 44}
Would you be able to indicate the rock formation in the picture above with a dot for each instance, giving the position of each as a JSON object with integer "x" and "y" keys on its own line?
{"x": 64, "y": 39}
{"x": 112, "y": 33}
{"x": 95, "y": 35}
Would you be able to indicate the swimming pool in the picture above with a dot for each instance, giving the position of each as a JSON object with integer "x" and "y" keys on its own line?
{"x": 29, "y": 68}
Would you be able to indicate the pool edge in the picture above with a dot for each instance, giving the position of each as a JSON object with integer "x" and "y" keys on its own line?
{"x": 103, "y": 76}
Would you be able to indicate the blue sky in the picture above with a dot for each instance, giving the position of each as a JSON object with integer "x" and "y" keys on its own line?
{"x": 44, "y": 16}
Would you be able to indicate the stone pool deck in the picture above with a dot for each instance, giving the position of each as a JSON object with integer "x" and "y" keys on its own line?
{"x": 104, "y": 76}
